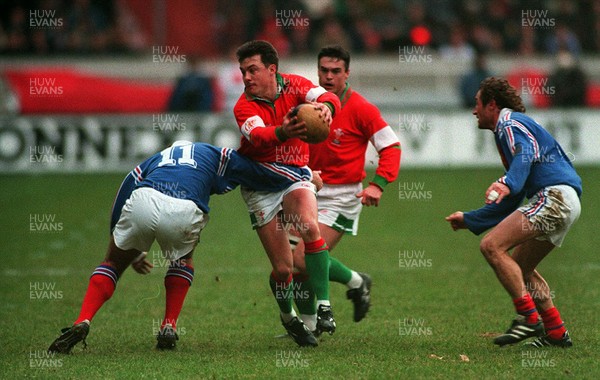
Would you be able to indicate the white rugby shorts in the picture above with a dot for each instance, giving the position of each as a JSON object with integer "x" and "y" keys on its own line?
{"x": 553, "y": 210}
{"x": 149, "y": 214}
{"x": 339, "y": 208}
{"x": 263, "y": 206}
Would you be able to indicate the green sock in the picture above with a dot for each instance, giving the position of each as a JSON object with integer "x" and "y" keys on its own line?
{"x": 304, "y": 297}
{"x": 317, "y": 268}
{"x": 283, "y": 294}
{"x": 338, "y": 272}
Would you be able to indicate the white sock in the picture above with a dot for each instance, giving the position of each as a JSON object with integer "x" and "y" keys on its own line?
{"x": 286, "y": 317}
{"x": 355, "y": 281}
{"x": 310, "y": 321}
{"x": 323, "y": 302}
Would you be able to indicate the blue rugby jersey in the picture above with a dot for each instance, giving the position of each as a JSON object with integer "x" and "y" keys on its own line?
{"x": 533, "y": 160}
{"x": 194, "y": 171}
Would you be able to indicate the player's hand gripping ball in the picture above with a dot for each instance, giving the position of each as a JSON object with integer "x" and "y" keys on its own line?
{"x": 317, "y": 128}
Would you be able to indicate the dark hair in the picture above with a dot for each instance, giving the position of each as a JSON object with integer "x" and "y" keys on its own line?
{"x": 268, "y": 54}
{"x": 335, "y": 51}
{"x": 502, "y": 92}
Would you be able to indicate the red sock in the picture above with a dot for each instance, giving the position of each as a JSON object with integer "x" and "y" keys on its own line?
{"x": 553, "y": 324}
{"x": 315, "y": 246}
{"x": 283, "y": 283}
{"x": 177, "y": 283}
{"x": 100, "y": 288}
{"x": 526, "y": 307}
{"x": 300, "y": 277}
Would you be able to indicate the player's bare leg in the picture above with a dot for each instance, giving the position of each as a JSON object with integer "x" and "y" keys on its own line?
{"x": 539, "y": 290}
{"x": 178, "y": 280}
{"x": 529, "y": 255}
{"x": 100, "y": 289}
{"x": 300, "y": 206}
{"x": 274, "y": 239}
{"x": 511, "y": 232}
{"x": 276, "y": 245}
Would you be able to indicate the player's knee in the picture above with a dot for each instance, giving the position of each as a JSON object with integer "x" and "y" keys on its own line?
{"x": 489, "y": 249}
{"x": 309, "y": 230}
{"x": 282, "y": 272}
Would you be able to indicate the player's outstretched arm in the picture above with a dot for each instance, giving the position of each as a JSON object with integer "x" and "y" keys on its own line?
{"x": 457, "y": 220}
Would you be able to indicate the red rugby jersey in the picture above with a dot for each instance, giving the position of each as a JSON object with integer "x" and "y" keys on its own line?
{"x": 257, "y": 119}
{"x": 341, "y": 158}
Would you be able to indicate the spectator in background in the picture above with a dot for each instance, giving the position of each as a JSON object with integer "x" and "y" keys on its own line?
{"x": 458, "y": 48}
{"x": 563, "y": 38}
{"x": 388, "y": 23}
{"x": 17, "y": 31}
{"x": 88, "y": 28}
{"x": 273, "y": 27}
{"x": 592, "y": 18}
{"x": 568, "y": 81}
{"x": 332, "y": 33}
{"x": 193, "y": 91}
{"x": 469, "y": 83}
{"x": 3, "y": 39}
{"x": 370, "y": 40}
{"x": 128, "y": 31}
{"x": 483, "y": 38}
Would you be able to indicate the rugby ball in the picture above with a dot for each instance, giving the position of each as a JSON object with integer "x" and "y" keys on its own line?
{"x": 316, "y": 126}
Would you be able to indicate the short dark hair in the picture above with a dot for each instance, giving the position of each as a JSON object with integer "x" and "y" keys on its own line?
{"x": 268, "y": 54}
{"x": 502, "y": 92}
{"x": 335, "y": 51}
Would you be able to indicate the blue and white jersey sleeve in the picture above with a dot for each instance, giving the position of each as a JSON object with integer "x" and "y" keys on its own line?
{"x": 261, "y": 176}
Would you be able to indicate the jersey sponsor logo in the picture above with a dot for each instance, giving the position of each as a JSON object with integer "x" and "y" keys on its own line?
{"x": 250, "y": 124}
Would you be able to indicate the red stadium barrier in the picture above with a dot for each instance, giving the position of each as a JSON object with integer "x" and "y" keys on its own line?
{"x": 67, "y": 91}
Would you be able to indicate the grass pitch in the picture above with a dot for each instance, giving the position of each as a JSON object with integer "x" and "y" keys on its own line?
{"x": 436, "y": 303}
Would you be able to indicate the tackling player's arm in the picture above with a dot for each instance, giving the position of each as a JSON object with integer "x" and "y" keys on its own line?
{"x": 486, "y": 217}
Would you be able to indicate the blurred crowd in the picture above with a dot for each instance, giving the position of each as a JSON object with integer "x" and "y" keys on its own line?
{"x": 74, "y": 26}
{"x": 455, "y": 28}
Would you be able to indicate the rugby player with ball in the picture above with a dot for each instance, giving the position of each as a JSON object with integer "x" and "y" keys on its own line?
{"x": 272, "y": 133}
